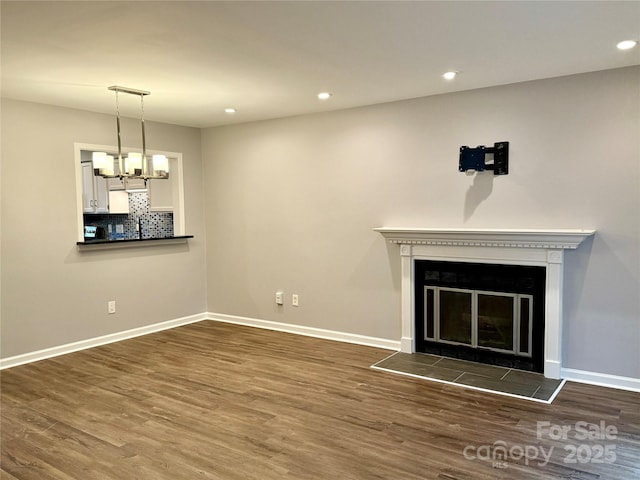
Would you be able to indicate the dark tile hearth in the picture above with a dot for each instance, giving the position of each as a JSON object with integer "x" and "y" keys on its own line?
{"x": 500, "y": 380}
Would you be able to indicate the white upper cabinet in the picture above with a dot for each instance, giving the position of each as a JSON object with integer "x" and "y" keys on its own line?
{"x": 118, "y": 202}
{"x": 124, "y": 183}
{"x": 95, "y": 196}
{"x": 164, "y": 194}
{"x": 161, "y": 195}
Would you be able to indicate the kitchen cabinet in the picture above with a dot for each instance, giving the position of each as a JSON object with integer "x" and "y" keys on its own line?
{"x": 164, "y": 194}
{"x": 134, "y": 184}
{"x": 161, "y": 195}
{"x": 95, "y": 195}
{"x": 118, "y": 202}
{"x": 126, "y": 184}
{"x": 115, "y": 184}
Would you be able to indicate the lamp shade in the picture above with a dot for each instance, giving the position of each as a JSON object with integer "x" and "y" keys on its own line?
{"x": 133, "y": 164}
{"x": 102, "y": 163}
{"x": 109, "y": 168}
{"x": 160, "y": 165}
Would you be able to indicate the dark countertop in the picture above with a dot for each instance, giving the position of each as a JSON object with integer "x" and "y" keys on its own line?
{"x": 104, "y": 241}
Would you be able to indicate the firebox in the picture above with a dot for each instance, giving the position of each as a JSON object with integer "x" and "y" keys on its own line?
{"x": 489, "y": 313}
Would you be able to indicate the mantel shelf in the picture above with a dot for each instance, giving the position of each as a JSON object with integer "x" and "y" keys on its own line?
{"x": 545, "y": 239}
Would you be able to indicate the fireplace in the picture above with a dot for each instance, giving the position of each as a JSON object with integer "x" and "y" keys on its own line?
{"x": 483, "y": 325}
{"x": 487, "y": 313}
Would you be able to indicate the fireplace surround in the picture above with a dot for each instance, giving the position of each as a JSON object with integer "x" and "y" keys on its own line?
{"x": 538, "y": 248}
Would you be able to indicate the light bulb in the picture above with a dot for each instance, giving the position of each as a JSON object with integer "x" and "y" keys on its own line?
{"x": 626, "y": 44}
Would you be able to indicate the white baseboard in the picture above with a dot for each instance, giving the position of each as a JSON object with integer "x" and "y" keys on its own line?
{"x": 601, "y": 379}
{"x": 581, "y": 376}
{"x": 406, "y": 344}
{"x": 552, "y": 369}
{"x": 97, "y": 341}
{"x": 307, "y": 331}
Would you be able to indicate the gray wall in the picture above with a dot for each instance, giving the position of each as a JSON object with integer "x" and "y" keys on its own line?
{"x": 290, "y": 204}
{"x": 51, "y": 293}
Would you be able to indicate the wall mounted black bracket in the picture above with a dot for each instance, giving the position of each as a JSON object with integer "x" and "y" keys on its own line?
{"x": 483, "y": 158}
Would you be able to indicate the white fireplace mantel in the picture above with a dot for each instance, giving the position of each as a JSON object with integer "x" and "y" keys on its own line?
{"x": 557, "y": 239}
{"x": 515, "y": 247}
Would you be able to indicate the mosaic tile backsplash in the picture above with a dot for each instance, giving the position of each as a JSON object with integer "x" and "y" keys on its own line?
{"x": 123, "y": 227}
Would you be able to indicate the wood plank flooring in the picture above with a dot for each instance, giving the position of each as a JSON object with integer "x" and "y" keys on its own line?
{"x": 220, "y": 401}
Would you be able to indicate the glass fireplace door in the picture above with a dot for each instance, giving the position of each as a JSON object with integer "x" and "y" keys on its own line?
{"x": 496, "y": 321}
{"x": 485, "y": 320}
{"x": 455, "y": 319}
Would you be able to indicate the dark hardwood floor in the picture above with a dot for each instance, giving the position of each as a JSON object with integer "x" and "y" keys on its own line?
{"x": 219, "y": 401}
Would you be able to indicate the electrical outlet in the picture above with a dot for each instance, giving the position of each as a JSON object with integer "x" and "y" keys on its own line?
{"x": 295, "y": 300}
{"x": 111, "y": 306}
{"x": 279, "y": 298}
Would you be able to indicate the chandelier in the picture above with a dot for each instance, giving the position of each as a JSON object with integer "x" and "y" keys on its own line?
{"x": 134, "y": 164}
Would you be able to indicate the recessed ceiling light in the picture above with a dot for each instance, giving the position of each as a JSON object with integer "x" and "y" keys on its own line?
{"x": 626, "y": 44}
{"x": 324, "y": 95}
{"x": 230, "y": 110}
{"x": 449, "y": 75}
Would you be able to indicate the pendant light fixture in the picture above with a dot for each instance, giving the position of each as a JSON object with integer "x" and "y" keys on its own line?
{"x": 134, "y": 164}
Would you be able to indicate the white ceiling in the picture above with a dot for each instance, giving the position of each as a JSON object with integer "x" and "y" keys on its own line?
{"x": 270, "y": 59}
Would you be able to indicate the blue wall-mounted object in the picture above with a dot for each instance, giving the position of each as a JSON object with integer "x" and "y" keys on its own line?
{"x": 475, "y": 159}
{"x": 471, "y": 159}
